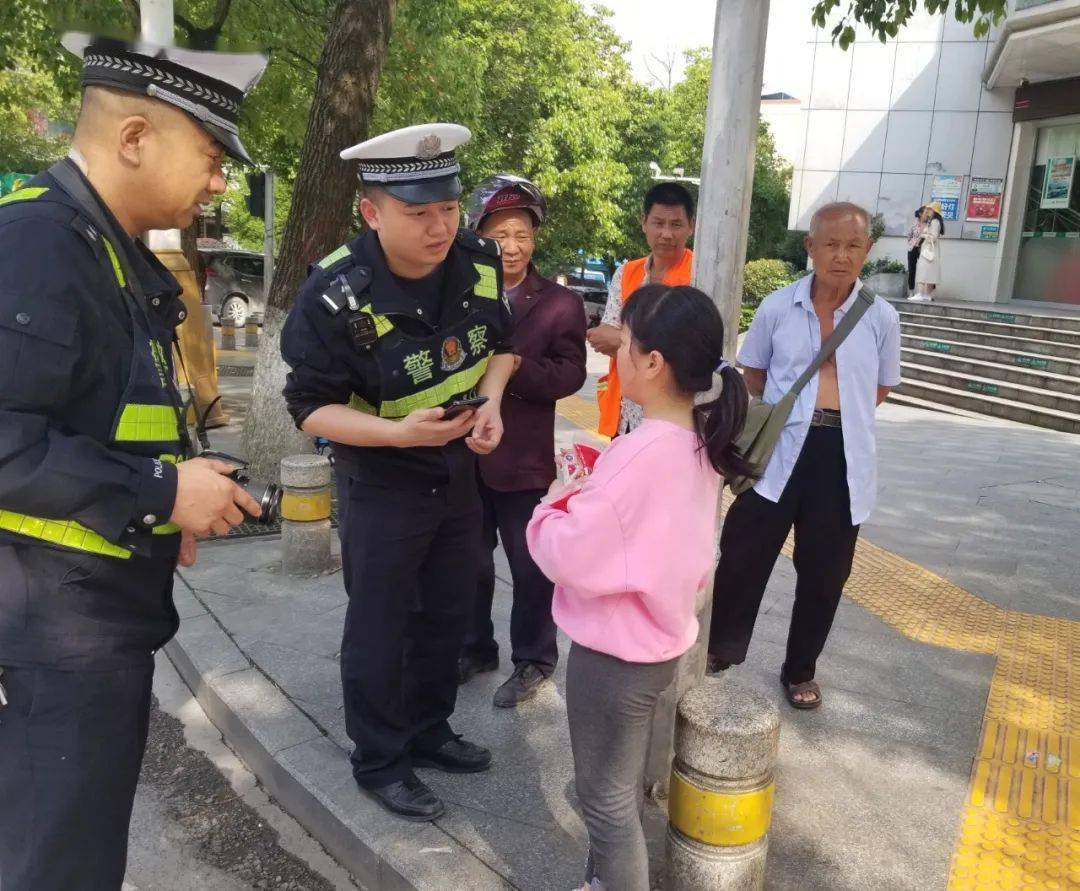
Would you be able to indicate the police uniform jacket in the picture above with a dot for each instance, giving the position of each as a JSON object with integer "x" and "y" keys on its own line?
{"x": 89, "y": 436}
{"x": 382, "y": 355}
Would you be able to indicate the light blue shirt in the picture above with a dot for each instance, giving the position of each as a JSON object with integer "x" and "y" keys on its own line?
{"x": 783, "y": 340}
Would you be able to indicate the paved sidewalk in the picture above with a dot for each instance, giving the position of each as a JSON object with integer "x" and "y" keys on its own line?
{"x": 875, "y": 790}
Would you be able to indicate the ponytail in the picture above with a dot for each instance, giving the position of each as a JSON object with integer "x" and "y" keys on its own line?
{"x": 685, "y": 326}
{"x": 720, "y": 422}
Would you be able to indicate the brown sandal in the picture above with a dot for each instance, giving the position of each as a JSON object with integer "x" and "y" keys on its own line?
{"x": 794, "y": 690}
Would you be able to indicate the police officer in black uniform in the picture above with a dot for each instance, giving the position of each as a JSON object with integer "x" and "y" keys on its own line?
{"x": 387, "y": 334}
{"x": 97, "y": 504}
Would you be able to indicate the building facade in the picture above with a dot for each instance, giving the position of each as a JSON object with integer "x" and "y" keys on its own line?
{"x": 990, "y": 128}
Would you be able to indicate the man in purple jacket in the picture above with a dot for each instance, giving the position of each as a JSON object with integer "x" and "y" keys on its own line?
{"x": 549, "y": 341}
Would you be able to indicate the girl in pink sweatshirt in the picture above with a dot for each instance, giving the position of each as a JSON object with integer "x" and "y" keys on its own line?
{"x": 629, "y": 550}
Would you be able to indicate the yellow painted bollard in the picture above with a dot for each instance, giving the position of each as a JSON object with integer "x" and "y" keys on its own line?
{"x": 228, "y": 335}
{"x": 251, "y": 336}
{"x": 305, "y": 515}
{"x": 720, "y": 805}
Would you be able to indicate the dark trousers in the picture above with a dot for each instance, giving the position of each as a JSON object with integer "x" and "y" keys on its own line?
{"x": 71, "y": 746}
{"x": 912, "y": 263}
{"x": 532, "y": 630}
{"x": 815, "y": 501}
{"x": 409, "y": 560}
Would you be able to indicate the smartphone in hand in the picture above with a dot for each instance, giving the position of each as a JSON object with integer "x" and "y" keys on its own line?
{"x": 458, "y": 406}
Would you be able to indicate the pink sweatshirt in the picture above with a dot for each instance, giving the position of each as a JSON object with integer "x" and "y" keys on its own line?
{"x": 629, "y": 550}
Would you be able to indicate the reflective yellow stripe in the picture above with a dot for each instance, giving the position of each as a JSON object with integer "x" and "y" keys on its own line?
{"x": 488, "y": 286}
{"x": 74, "y": 535}
{"x": 359, "y": 403}
{"x": 67, "y": 533}
{"x": 719, "y": 818}
{"x": 382, "y": 324}
{"x": 147, "y": 423}
{"x": 117, "y": 270}
{"x": 160, "y": 363}
{"x": 168, "y": 528}
{"x": 305, "y": 507}
{"x": 330, "y": 259}
{"x": 432, "y": 397}
{"x": 23, "y": 195}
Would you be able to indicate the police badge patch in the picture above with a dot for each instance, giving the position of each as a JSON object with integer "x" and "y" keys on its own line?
{"x": 429, "y": 147}
{"x": 453, "y": 354}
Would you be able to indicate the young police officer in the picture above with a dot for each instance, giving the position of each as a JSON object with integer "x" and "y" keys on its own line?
{"x": 95, "y": 509}
{"x": 387, "y": 332}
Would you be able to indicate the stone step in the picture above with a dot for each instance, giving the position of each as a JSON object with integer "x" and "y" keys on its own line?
{"x": 995, "y": 406}
{"x": 977, "y": 326}
{"x": 928, "y": 405}
{"x": 1007, "y": 314}
{"x": 994, "y": 354}
{"x": 974, "y": 383}
{"x": 1009, "y": 374}
{"x": 1019, "y": 344}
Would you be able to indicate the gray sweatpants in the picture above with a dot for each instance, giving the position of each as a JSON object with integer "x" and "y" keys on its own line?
{"x": 609, "y": 704}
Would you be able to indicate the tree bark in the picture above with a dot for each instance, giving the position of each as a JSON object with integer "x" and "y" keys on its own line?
{"x": 189, "y": 244}
{"x": 321, "y": 214}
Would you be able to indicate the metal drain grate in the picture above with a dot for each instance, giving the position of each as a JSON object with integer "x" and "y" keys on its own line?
{"x": 236, "y": 371}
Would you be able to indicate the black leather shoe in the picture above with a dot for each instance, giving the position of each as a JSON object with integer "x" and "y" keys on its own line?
{"x": 469, "y": 667}
{"x": 410, "y": 799}
{"x": 456, "y": 756}
{"x": 523, "y": 684}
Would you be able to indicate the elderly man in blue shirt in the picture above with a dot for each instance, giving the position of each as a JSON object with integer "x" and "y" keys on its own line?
{"x": 822, "y": 477}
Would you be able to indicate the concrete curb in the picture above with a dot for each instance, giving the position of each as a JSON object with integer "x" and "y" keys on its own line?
{"x": 307, "y": 773}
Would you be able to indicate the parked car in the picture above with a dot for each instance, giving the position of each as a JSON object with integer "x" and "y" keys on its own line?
{"x": 234, "y": 284}
{"x": 591, "y": 284}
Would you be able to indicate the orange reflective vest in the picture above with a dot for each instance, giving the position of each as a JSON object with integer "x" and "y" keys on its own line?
{"x": 608, "y": 391}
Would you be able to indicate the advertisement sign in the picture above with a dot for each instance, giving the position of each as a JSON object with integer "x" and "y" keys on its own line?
{"x": 1057, "y": 187}
{"x": 946, "y": 191}
{"x": 984, "y": 200}
{"x": 988, "y": 233}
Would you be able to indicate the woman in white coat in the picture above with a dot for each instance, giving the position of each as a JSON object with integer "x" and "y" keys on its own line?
{"x": 928, "y": 269}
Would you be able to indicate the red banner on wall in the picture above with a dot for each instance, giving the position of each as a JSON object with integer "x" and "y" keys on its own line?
{"x": 984, "y": 200}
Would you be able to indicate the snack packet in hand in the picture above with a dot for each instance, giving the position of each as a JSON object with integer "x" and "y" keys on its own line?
{"x": 576, "y": 463}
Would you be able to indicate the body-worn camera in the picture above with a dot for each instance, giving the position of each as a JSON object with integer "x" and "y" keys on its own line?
{"x": 267, "y": 495}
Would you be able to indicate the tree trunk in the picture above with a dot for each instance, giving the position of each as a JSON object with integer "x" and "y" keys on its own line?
{"x": 189, "y": 244}
{"x": 321, "y": 214}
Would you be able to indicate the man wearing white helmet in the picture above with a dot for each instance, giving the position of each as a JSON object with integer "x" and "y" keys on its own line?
{"x": 399, "y": 349}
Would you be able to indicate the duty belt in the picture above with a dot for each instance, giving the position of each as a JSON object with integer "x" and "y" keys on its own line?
{"x": 825, "y": 417}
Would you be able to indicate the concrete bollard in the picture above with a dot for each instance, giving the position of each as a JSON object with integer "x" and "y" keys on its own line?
{"x": 305, "y": 514}
{"x": 228, "y": 335}
{"x": 726, "y": 741}
{"x": 251, "y": 336}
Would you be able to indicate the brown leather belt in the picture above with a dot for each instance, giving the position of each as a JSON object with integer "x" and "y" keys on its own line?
{"x": 825, "y": 417}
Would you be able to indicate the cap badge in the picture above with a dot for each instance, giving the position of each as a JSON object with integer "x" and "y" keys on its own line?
{"x": 429, "y": 148}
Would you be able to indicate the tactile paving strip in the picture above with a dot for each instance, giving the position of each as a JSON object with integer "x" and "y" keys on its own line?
{"x": 581, "y": 412}
{"x": 1021, "y": 824}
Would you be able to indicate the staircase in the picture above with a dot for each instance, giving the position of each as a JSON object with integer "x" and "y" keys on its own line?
{"x": 968, "y": 359}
